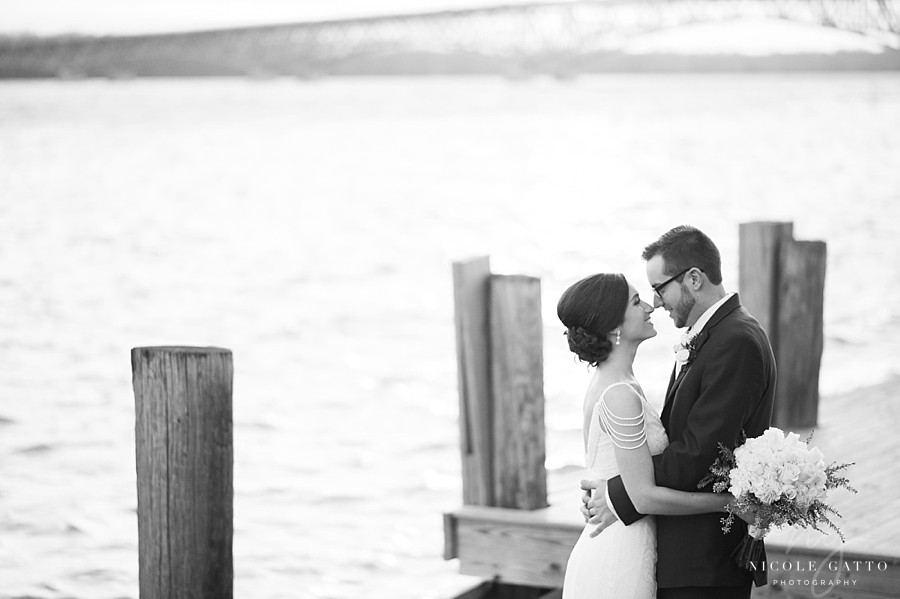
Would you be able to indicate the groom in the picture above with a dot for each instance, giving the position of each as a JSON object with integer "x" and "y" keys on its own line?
{"x": 723, "y": 382}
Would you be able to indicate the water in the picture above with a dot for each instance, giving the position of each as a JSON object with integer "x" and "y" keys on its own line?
{"x": 310, "y": 228}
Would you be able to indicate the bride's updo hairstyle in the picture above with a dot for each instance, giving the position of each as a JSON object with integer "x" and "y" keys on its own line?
{"x": 591, "y": 309}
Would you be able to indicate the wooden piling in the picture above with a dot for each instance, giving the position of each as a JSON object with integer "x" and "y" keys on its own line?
{"x": 183, "y": 402}
{"x": 782, "y": 283}
{"x": 800, "y": 337}
{"x": 499, "y": 343}
{"x": 759, "y": 270}
{"x": 517, "y": 346}
{"x": 471, "y": 286}
{"x": 499, "y": 336}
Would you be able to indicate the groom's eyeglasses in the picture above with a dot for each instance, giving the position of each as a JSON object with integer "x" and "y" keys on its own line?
{"x": 658, "y": 289}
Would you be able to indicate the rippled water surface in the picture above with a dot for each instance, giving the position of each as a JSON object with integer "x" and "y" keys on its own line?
{"x": 310, "y": 227}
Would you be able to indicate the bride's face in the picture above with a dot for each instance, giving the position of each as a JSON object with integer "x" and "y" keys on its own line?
{"x": 637, "y": 325}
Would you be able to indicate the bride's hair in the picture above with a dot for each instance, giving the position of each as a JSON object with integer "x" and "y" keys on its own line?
{"x": 590, "y": 309}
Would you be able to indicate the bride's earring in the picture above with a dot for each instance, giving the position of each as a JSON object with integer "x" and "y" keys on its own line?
{"x": 618, "y": 336}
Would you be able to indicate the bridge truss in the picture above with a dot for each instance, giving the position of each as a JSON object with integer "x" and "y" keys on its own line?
{"x": 559, "y": 29}
{"x": 577, "y": 27}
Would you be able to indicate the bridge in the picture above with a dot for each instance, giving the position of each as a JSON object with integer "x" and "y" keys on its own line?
{"x": 576, "y": 27}
{"x": 481, "y": 37}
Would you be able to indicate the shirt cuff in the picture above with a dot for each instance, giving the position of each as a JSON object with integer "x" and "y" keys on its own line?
{"x": 610, "y": 505}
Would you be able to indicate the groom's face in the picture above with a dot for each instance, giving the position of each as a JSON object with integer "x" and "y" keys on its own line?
{"x": 670, "y": 293}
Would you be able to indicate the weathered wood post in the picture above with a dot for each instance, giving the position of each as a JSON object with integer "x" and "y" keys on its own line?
{"x": 183, "y": 402}
{"x": 517, "y": 375}
{"x": 800, "y": 335}
{"x": 501, "y": 386}
{"x": 499, "y": 342}
{"x": 782, "y": 283}
{"x": 471, "y": 286}
{"x": 759, "y": 270}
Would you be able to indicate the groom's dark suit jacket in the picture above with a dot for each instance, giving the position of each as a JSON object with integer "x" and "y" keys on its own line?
{"x": 729, "y": 386}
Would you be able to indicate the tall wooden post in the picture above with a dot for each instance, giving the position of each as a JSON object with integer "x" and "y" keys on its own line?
{"x": 499, "y": 345}
{"x": 184, "y": 471}
{"x": 471, "y": 287}
{"x": 517, "y": 346}
{"x": 800, "y": 337}
{"x": 782, "y": 283}
{"x": 760, "y": 270}
{"x": 501, "y": 389}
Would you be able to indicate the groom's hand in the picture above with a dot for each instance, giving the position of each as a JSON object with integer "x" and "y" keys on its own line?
{"x": 594, "y": 508}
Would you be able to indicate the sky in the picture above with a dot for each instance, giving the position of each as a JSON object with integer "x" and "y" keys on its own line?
{"x": 48, "y": 17}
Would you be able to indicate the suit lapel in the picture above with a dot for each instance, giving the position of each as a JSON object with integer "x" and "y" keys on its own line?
{"x": 667, "y": 405}
{"x": 670, "y": 394}
{"x": 724, "y": 310}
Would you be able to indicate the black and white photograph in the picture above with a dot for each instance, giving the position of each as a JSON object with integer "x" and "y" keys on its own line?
{"x": 449, "y": 299}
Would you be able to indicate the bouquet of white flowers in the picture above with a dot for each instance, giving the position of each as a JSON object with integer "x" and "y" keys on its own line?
{"x": 781, "y": 480}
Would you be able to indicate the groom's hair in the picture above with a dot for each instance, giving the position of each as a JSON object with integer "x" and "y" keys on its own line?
{"x": 685, "y": 247}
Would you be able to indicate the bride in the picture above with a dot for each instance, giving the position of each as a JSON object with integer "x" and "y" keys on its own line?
{"x": 605, "y": 323}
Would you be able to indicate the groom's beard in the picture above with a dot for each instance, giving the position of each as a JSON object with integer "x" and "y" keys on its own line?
{"x": 683, "y": 308}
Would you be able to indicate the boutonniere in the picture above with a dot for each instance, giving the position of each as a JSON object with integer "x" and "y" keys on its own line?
{"x": 686, "y": 349}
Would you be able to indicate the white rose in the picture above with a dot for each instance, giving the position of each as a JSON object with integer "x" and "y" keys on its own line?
{"x": 815, "y": 456}
{"x": 813, "y": 477}
{"x": 774, "y": 438}
{"x": 790, "y": 473}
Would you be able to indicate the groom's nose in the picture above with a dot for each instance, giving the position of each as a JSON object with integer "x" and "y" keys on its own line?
{"x": 657, "y": 301}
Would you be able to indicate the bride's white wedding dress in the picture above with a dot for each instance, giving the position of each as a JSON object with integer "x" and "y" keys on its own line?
{"x": 621, "y": 561}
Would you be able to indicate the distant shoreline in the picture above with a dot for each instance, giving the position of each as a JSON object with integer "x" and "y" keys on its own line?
{"x": 206, "y": 54}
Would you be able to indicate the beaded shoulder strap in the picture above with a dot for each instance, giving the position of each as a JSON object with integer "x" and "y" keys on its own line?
{"x": 626, "y": 432}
